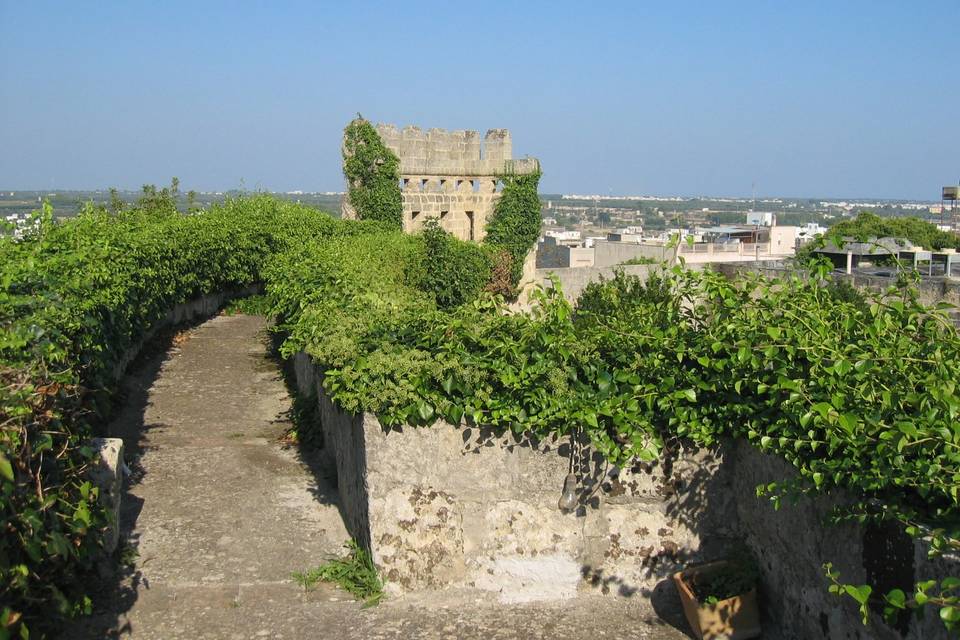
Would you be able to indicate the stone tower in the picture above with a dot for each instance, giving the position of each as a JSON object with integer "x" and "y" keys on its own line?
{"x": 450, "y": 175}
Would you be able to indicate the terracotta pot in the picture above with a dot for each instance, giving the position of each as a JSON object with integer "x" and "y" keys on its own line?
{"x": 735, "y": 618}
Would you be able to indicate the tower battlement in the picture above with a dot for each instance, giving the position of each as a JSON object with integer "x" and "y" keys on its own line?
{"x": 451, "y": 175}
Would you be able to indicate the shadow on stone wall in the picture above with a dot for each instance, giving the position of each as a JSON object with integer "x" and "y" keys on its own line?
{"x": 690, "y": 488}
{"x": 306, "y": 415}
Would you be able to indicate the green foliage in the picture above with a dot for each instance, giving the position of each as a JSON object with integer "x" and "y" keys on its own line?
{"x": 373, "y": 174}
{"x": 455, "y": 272}
{"x": 354, "y": 573}
{"x": 856, "y": 391}
{"x": 640, "y": 260}
{"x": 255, "y": 305}
{"x": 515, "y": 223}
{"x": 869, "y": 226}
{"x": 75, "y": 298}
{"x": 945, "y": 595}
{"x": 736, "y": 576}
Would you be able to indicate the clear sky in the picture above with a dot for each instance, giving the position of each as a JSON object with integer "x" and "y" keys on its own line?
{"x": 832, "y": 99}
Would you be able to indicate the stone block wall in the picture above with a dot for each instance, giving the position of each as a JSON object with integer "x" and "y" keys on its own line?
{"x": 792, "y": 544}
{"x": 452, "y": 175}
{"x": 573, "y": 280}
{"x": 461, "y": 506}
{"x": 609, "y": 254}
{"x": 446, "y": 506}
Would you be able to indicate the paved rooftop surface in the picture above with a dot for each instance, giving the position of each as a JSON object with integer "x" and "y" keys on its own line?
{"x": 218, "y": 514}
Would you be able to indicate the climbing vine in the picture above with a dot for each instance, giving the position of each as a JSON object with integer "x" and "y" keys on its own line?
{"x": 857, "y": 392}
{"x": 373, "y": 174}
{"x": 75, "y": 297}
{"x": 515, "y": 223}
{"x": 454, "y": 271}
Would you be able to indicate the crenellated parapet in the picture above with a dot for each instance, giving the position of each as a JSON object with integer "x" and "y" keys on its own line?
{"x": 438, "y": 152}
{"x": 452, "y": 175}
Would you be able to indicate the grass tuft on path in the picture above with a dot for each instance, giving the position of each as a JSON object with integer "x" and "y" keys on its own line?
{"x": 354, "y": 573}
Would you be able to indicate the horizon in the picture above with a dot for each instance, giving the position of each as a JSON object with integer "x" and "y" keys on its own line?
{"x": 641, "y": 100}
{"x": 584, "y": 196}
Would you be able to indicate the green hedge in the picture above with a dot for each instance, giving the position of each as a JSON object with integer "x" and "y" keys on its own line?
{"x": 515, "y": 223}
{"x": 373, "y": 174}
{"x": 454, "y": 271}
{"x": 75, "y": 297}
{"x": 858, "y": 392}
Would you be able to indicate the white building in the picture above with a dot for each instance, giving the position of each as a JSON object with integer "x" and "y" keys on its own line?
{"x": 761, "y": 218}
{"x": 568, "y": 236}
{"x": 809, "y": 231}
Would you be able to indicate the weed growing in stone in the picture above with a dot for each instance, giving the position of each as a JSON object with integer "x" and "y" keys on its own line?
{"x": 354, "y": 573}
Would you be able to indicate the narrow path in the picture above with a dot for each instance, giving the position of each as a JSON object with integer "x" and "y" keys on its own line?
{"x": 218, "y": 515}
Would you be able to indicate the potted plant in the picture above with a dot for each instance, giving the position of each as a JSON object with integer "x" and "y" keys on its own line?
{"x": 720, "y": 598}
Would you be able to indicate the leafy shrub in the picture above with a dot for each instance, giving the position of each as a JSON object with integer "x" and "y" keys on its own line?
{"x": 454, "y": 271}
{"x": 373, "y": 174}
{"x": 870, "y": 225}
{"x": 515, "y": 223}
{"x": 640, "y": 260}
{"x": 75, "y": 298}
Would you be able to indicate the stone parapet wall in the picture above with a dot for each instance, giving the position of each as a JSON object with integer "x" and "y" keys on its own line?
{"x": 573, "y": 280}
{"x": 447, "y": 506}
{"x": 461, "y": 506}
{"x": 792, "y": 544}
{"x": 438, "y": 152}
{"x": 451, "y": 176}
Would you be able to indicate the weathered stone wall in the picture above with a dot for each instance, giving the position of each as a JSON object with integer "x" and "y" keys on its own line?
{"x": 792, "y": 544}
{"x": 344, "y": 449}
{"x": 447, "y": 506}
{"x": 608, "y": 254}
{"x": 451, "y": 176}
{"x": 107, "y": 475}
{"x": 573, "y": 280}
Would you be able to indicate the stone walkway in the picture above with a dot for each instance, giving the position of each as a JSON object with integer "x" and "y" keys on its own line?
{"x": 217, "y": 516}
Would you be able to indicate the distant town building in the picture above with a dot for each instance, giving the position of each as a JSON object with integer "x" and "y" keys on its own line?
{"x": 620, "y": 236}
{"x": 721, "y": 243}
{"x": 762, "y": 218}
{"x": 808, "y": 232}
{"x": 557, "y": 253}
{"x": 564, "y": 236}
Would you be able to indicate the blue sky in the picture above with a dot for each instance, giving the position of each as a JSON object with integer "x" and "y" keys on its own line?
{"x": 833, "y": 99}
